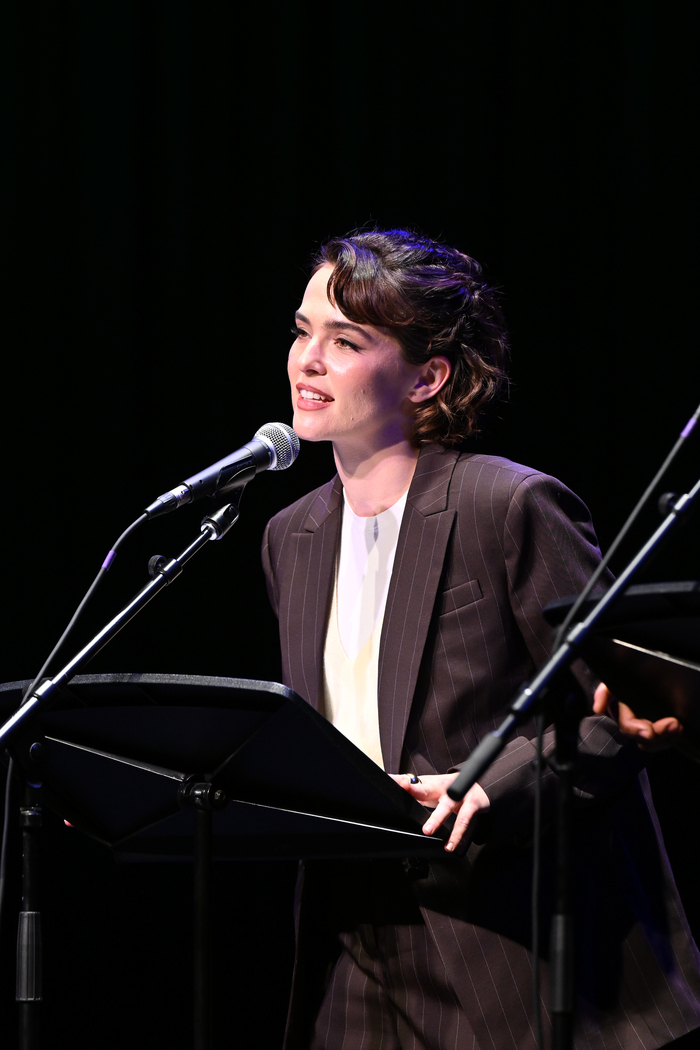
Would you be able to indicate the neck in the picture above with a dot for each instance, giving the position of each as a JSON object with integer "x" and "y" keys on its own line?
{"x": 373, "y": 484}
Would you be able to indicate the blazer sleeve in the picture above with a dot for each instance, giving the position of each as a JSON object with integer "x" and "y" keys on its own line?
{"x": 550, "y": 551}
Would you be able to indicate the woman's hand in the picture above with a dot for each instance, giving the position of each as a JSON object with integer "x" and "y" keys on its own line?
{"x": 651, "y": 736}
{"x": 432, "y": 791}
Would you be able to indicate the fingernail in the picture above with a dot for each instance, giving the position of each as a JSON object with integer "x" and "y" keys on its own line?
{"x": 427, "y": 828}
{"x": 449, "y": 847}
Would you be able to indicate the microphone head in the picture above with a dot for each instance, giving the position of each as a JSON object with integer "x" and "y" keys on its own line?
{"x": 283, "y": 441}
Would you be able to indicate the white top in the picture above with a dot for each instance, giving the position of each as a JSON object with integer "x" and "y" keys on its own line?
{"x": 367, "y": 551}
{"x": 351, "y": 653}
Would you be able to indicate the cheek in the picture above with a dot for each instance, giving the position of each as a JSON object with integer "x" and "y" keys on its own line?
{"x": 387, "y": 389}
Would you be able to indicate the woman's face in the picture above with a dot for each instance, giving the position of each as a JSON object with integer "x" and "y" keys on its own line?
{"x": 350, "y": 383}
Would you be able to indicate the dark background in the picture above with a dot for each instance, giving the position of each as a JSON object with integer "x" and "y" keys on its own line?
{"x": 168, "y": 169}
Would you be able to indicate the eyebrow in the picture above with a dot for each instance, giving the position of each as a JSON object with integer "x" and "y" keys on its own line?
{"x": 335, "y": 326}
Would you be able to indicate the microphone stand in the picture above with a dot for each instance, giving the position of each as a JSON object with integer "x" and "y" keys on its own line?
{"x": 163, "y": 571}
{"x": 29, "y": 994}
{"x": 529, "y": 702}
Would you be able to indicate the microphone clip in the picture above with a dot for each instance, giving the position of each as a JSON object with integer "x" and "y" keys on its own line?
{"x": 220, "y": 521}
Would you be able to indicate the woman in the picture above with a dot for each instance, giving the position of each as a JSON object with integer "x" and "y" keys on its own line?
{"x": 410, "y": 591}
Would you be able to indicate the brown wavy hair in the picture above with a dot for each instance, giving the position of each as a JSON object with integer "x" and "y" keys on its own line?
{"x": 435, "y": 301}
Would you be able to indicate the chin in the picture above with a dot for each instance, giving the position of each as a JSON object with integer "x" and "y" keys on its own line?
{"x": 308, "y": 430}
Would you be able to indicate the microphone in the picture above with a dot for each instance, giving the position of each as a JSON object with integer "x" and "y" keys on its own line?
{"x": 274, "y": 447}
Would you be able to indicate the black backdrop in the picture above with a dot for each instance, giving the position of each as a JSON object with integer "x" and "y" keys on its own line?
{"x": 168, "y": 170}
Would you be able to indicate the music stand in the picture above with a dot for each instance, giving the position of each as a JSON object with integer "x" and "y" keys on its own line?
{"x": 159, "y": 765}
{"x": 647, "y": 651}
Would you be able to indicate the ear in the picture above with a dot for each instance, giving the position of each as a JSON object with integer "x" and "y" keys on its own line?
{"x": 431, "y": 378}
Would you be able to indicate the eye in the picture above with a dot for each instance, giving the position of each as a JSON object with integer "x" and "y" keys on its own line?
{"x": 297, "y": 332}
{"x": 343, "y": 343}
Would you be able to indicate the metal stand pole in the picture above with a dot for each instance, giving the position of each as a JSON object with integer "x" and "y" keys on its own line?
{"x": 202, "y": 930}
{"x": 204, "y": 797}
{"x": 29, "y": 991}
{"x": 570, "y": 709}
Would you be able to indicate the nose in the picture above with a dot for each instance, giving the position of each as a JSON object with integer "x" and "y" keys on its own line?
{"x": 308, "y": 356}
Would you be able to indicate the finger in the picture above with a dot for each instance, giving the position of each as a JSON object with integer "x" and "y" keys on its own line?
{"x": 665, "y": 732}
{"x": 633, "y": 726}
{"x": 462, "y": 822}
{"x": 443, "y": 809}
{"x": 639, "y": 727}
{"x": 430, "y": 789}
{"x": 652, "y": 736}
{"x": 629, "y": 723}
{"x": 667, "y": 726}
{"x": 601, "y": 699}
{"x": 426, "y": 796}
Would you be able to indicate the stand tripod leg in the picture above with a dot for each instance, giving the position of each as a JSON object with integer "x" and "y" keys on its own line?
{"x": 202, "y": 930}
{"x": 29, "y": 991}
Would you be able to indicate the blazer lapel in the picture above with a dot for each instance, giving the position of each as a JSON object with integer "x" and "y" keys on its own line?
{"x": 309, "y": 595}
{"x": 425, "y": 531}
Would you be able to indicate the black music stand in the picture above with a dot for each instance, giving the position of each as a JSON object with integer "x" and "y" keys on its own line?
{"x": 176, "y": 766}
{"x": 647, "y": 651}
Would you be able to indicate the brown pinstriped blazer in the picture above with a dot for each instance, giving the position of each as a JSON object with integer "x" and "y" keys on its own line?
{"x": 484, "y": 545}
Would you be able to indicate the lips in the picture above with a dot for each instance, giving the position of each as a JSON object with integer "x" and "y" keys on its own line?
{"x": 310, "y": 393}
{"x": 311, "y": 398}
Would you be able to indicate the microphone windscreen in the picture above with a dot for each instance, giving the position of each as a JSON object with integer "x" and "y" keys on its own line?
{"x": 285, "y": 441}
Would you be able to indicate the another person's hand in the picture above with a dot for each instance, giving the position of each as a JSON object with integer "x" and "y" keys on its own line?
{"x": 651, "y": 736}
{"x": 432, "y": 791}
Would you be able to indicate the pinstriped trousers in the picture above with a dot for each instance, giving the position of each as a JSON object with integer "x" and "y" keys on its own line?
{"x": 390, "y": 991}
